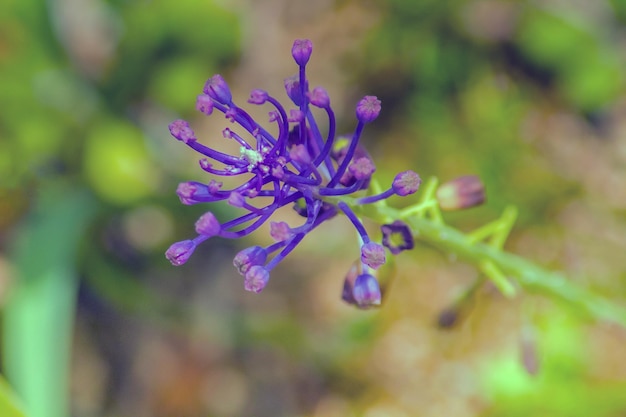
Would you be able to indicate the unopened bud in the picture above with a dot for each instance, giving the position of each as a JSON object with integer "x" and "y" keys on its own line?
{"x": 180, "y": 252}
{"x": 461, "y": 193}
{"x": 248, "y": 258}
{"x": 366, "y": 291}
{"x": 301, "y": 51}
{"x": 368, "y": 109}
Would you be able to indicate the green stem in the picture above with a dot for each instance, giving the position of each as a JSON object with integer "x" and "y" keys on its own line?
{"x": 529, "y": 276}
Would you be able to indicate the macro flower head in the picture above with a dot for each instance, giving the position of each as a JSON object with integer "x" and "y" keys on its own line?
{"x": 299, "y": 166}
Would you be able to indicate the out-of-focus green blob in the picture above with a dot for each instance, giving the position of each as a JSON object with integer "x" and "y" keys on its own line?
{"x": 552, "y": 40}
{"x": 173, "y": 80}
{"x": 117, "y": 164}
{"x": 585, "y": 67}
{"x": 594, "y": 84}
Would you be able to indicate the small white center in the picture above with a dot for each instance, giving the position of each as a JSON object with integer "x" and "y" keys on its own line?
{"x": 252, "y": 156}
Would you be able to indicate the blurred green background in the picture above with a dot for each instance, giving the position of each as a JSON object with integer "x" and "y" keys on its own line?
{"x": 95, "y": 321}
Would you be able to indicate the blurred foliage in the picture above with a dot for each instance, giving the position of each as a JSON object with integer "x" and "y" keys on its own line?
{"x": 527, "y": 95}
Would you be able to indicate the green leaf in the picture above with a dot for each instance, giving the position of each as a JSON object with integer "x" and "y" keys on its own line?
{"x": 9, "y": 404}
{"x": 39, "y": 312}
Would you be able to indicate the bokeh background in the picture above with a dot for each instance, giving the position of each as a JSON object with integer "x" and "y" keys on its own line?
{"x": 528, "y": 95}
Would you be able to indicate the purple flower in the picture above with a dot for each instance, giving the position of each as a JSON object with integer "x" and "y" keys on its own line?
{"x": 180, "y": 252}
{"x": 280, "y": 231}
{"x": 204, "y": 104}
{"x": 249, "y": 257}
{"x": 301, "y": 51}
{"x": 180, "y": 130}
{"x": 368, "y": 109}
{"x": 207, "y": 225}
{"x": 373, "y": 255}
{"x": 297, "y": 166}
{"x": 319, "y": 97}
{"x": 362, "y": 168}
{"x": 405, "y": 183}
{"x": 461, "y": 193}
{"x": 366, "y": 291}
{"x": 218, "y": 90}
{"x": 256, "y": 278}
{"x": 391, "y": 232}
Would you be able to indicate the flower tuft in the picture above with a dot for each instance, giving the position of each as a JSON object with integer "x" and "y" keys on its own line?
{"x": 368, "y": 109}
{"x": 292, "y": 163}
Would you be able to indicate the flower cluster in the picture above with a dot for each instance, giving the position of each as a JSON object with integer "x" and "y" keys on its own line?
{"x": 299, "y": 166}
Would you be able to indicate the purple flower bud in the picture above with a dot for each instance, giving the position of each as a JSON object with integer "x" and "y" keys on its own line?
{"x": 448, "y": 318}
{"x": 273, "y": 116}
{"x": 366, "y": 291}
{"x": 397, "y": 230}
{"x": 180, "y": 252}
{"x": 280, "y": 231}
{"x": 248, "y": 258}
{"x": 529, "y": 353}
{"x": 204, "y": 104}
{"x": 214, "y": 186}
{"x": 227, "y": 133}
{"x": 461, "y": 193}
{"x": 406, "y": 183}
{"x": 231, "y": 114}
{"x": 256, "y": 278}
{"x": 301, "y": 51}
{"x": 207, "y": 225}
{"x": 292, "y": 87}
{"x": 258, "y": 96}
{"x": 319, "y": 97}
{"x": 278, "y": 171}
{"x": 300, "y": 154}
{"x": 192, "y": 192}
{"x": 348, "y": 284}
{"x": 218, "y": 90}
{"x": 235, "y": 199}
{"x": 362, "y": 168}
{"x": 295, "y": 116}
{"x": 368, "y": 109}
{"x": 373, "y": 255}
{"x": 180, "y": 130}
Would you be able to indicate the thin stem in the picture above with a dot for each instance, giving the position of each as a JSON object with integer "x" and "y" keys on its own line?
{"x": 529, "y": 276}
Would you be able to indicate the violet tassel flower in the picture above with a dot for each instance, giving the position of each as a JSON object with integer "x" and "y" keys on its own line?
{"x": 298, "y": 166}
